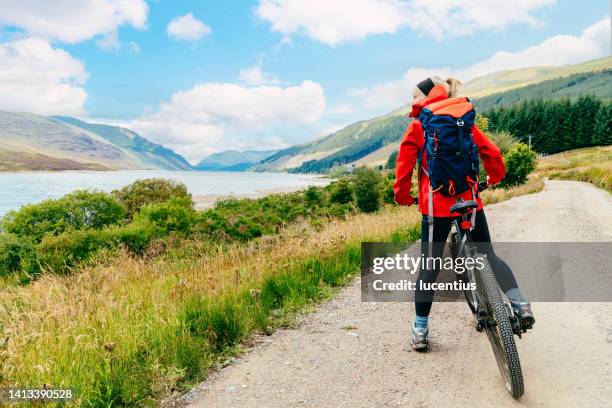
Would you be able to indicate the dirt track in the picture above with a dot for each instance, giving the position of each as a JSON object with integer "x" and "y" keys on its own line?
{"x": 354, "y": 354}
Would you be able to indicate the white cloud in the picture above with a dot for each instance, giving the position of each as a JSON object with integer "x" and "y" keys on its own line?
{"x": 557, "y": 50}
{"x": 255, "y": 76}
{"x": 450, "y": 18}
{"x": 72, "y": 21}
{"x": 218, "y": 116}
{"x": 35, "y": 77}
{"x": 334, "y": 22}
{"x": 187, "y": 28}
{"x": 594, "y": 42}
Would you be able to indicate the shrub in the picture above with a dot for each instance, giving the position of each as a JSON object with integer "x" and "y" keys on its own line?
{"x": 313, "y": 195}
{"x": 15, "y": 254}
{"x": 60, "y": 252}
{"x": 149, "y": 191}
{"x": 367, "y": 189}
{"x": 75, "y": 211}
{"x": 135, "y": 236}
{"x": 520, "y": 161}
{"x": 482, "y": 122}
{"x": 341, "y": 191}
{"x": 175, "y": 215}
{"x": 504, "y": 140}
{"x": 388, "y": 195}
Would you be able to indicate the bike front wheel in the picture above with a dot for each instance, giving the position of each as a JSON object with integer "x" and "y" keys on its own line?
{"x": 500, "y": 334}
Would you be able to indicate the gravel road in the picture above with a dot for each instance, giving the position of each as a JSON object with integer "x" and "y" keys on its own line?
{"x": 354, "y": 354}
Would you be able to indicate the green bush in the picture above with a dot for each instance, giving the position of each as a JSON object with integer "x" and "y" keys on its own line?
{"x": 175, "y": 215}
{"x": 341, "y": 191}
{"x": 149, "y": 191}
{"x": 482, "y": 122}
{"x": 58, "y": 253}
{"x": 15, "y": 254}
{"x": 313, "y": 195}
{"x": 367, "y": 189}
{"x": 388, "y": 195}
{"x": 75, "y": 211}
{"x": 135, "y": 236}
{"x": 520, "y": 161}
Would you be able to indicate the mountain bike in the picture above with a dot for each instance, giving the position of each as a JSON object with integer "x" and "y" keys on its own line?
{"x": 490, "y": 307}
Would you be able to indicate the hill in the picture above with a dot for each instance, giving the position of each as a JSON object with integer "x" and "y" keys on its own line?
{"x": 598, "y": 84}
{"x": 233, "y": 160}
{"x": 502, "y": 81}
{"x": 344, "y": 146}
{"x": 34, "y": 142}
{"x": 148, "y": 154}
{"x": 367, "y": 142}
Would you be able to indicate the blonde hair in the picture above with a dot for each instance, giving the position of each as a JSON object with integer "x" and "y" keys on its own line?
{"x": 451, "y": 86}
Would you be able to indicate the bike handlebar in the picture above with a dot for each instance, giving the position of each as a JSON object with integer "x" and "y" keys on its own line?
{"x": 481, "y": 187}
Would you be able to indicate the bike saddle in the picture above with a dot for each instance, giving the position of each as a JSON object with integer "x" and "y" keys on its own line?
{"x": 462, "y": 206}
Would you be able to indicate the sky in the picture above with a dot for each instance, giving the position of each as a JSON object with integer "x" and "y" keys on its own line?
{"x": 206, "y": 76}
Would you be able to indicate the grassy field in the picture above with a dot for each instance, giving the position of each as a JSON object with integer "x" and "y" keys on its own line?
{"x": 593, "y": 165}
{"x": 128, "y": 331}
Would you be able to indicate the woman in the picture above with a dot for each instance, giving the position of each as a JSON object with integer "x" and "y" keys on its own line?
{"x": 427, "y": 92}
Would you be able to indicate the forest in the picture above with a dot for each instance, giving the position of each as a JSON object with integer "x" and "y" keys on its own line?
{"x": 556, "y": 125}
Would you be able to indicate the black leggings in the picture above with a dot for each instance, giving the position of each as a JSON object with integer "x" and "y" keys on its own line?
{"x": 480, "y": 235}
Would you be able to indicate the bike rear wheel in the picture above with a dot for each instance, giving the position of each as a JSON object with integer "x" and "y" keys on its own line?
{"x": 501, "y": 335}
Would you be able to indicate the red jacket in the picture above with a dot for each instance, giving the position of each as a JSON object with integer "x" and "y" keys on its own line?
{"x": 412, "y": 144}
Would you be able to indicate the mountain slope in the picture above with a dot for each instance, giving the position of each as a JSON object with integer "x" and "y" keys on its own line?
{"x": 233, "y": 160}
{"x": 598, "y": 84}
{"x": 361, "y": 142}
{"x": 506, "y": 80}
{"x": 34, "y": 142}
{"x": 148, "y": 154}
{"x": 344, "y": 146}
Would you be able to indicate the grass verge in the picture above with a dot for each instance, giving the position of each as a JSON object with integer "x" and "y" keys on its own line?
{"x": 128, "y": 331}
{"x": 592, "y": 165}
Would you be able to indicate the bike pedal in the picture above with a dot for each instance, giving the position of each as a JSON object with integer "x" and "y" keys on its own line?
{"x": 527, "y": 323}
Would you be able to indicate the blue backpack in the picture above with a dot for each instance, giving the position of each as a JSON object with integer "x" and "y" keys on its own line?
{"x": 452, "y": 155}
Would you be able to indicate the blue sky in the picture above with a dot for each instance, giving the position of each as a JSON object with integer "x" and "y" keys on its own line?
{"x": 205, "y": 76}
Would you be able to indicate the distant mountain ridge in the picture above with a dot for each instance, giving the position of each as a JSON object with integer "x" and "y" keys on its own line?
{"x": 368, "y": 142}
{"x": 148, "y": 153}
{"x": 233, "y": 160}
{"x": 598, "y": 84}
{"x": 34, "y": 142}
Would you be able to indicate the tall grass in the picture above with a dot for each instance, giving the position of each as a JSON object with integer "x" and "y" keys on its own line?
{"x": 492, "y": 196}
{"x": 128, "y": 331}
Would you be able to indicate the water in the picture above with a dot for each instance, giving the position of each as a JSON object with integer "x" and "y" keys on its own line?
{"x": 17, "y": 189}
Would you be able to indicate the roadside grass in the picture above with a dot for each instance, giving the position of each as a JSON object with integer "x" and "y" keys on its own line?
{"x": 492, "y": 196}
{"x": 129, "y": 331}
{"x": 592, "y": 165}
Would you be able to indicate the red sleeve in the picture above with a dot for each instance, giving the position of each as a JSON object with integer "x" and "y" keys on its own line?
{"x": 406, "y": 159}
{"x": 490, "y": 156}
